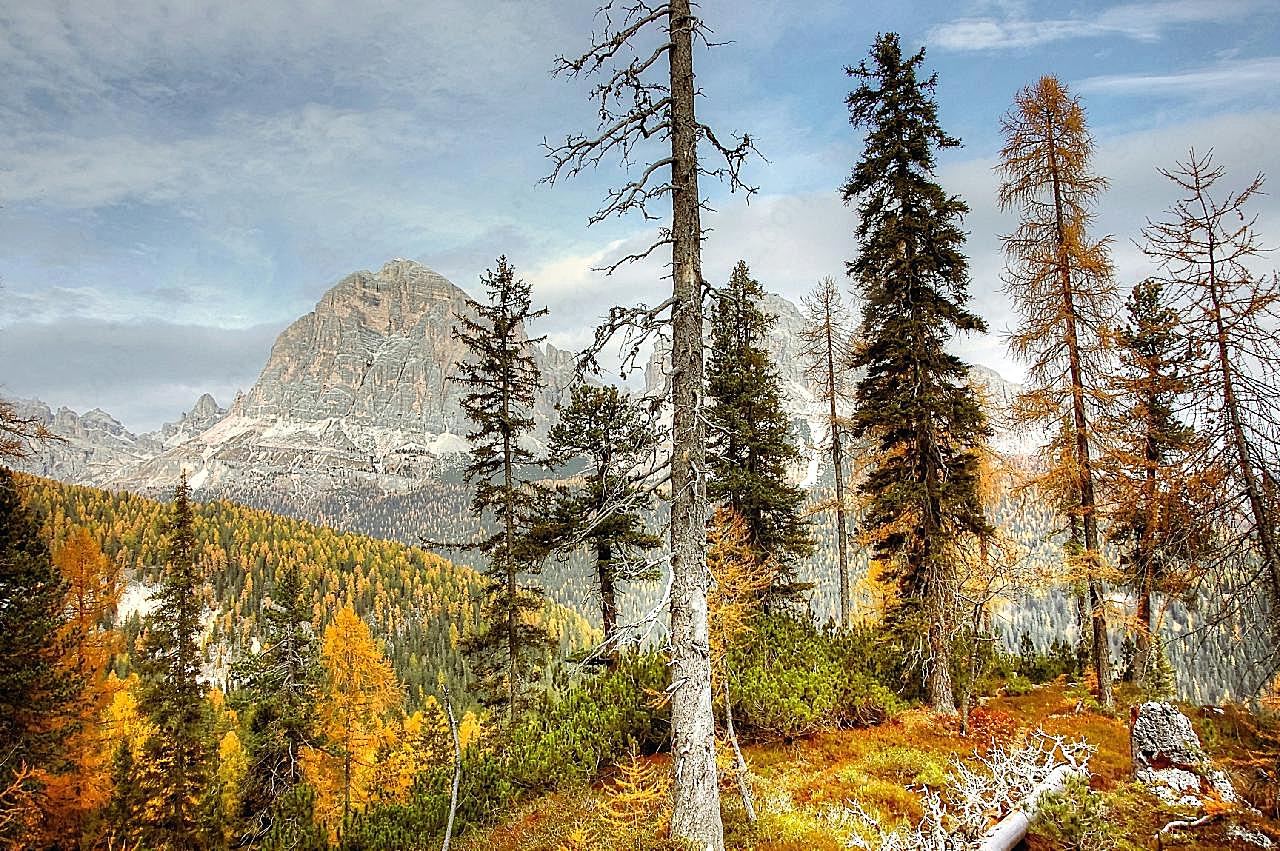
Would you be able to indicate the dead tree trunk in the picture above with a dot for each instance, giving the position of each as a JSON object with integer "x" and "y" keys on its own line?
{"x": 696, "y": 795}
{"x": 457, "y": 768}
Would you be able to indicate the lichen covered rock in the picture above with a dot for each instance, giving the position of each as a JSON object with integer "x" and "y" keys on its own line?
{"x": 1168, "y": 757}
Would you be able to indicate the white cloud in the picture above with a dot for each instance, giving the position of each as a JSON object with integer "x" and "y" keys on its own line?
{"x": 1136, "y": 21}
{"x": 1233, "y": 78}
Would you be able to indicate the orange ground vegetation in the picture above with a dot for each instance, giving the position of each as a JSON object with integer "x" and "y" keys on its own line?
{"x": 803, "y": 787}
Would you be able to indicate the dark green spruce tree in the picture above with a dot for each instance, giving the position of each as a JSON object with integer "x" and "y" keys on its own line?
{"x": 502, "y": 380}
{"x": 172, "y": 696}
{"x": 1160, "y": 503}
{"x": 612, "y": 435}
{"x": 749, "y": 435}
{"x": 281, "y": 683}
{"x": 914, "y": 407}
{"x": 34, "y": 689}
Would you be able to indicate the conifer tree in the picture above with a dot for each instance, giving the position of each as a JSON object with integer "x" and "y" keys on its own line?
{"x": 281, "y": 684}
{"x": 827, "y": 351}
{"x": 1158, "y": 503}
{"x": 1060, "y": 281}
{"x": 1207, "y": 247}
{"x": 914, "y": 406}
{"x": 172, "y": 696}
{"x": 749, "y": 445}
{"x": 642, "y": 59}
{"x": 610, "y": 432}
{"x": 360, "y": 688}
{"x": 34, "y": 689}
{"x": 502, "y": 380}
{"x": 124, "y": 809}
{"x": 83, "y": 784}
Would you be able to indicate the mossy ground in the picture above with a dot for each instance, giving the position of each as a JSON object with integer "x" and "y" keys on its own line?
{"x": 803, "y": 787}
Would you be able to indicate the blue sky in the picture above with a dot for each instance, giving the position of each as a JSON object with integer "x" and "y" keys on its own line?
{"x": 179, "y": 180}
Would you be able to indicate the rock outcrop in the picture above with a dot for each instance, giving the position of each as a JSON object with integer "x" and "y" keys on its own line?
{"x": 1168, "y": 757}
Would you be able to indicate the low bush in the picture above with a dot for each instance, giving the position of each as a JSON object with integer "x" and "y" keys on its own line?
{"x": 1074, "y": 819}
{"x": 790, "y": 678}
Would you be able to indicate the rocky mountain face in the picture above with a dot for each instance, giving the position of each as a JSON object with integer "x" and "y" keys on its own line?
{"x": 93, "y": 447}
{"x": 354, "y": 403}
{"x": 354, "y": 422}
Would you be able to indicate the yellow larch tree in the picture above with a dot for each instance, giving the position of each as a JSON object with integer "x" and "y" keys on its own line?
{"x": 361, "y": 689}
{"x": 93, "y": 591}
{"x": 1060, "y": 280}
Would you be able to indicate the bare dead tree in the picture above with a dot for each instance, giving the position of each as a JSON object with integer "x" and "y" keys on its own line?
{"x": 457, "y": 766}
{"x": 641, "y": 57}
{"x": 1206, "y": 246}
{"x": 827, "y": 344}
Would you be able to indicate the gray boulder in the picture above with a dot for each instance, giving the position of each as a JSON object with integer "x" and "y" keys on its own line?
{"x": 1168, "y": 757}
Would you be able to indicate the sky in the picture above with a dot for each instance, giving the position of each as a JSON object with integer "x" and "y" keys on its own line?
{"x": 181, "y": 180}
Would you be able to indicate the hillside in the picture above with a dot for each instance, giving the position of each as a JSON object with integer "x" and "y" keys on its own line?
{"x": 419, "y": 604}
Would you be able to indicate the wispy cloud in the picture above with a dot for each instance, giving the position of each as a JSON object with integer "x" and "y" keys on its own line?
{"x": 1235, "y": 77}
{"x": 1137, "y": 21}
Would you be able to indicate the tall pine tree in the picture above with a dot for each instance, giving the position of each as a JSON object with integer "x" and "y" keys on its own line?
{"x": 749, "y": 434}
{"x": 610, "y": 433}
{"x": 34, "y": 689}
{"x": 172, "y": 696}
{"x": 1159, "y": 506}
{"x": 914, "y": 406}
{"x": 281, "y": 684}
{"x": 502, "y": 380}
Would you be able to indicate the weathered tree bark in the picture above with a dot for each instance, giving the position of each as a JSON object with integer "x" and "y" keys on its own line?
{"x": 939, "y": 688}
{"x": 509, "y": 533}
{"x": 837, "y": 466}
{"x": 608, "y": 594}
{"x": 696, "y": 793}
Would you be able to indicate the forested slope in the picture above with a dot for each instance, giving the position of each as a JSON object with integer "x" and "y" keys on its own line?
{"x": 419, "y": 604}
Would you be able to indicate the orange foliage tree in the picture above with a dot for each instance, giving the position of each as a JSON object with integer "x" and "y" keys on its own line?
{"x": 361, "y": 690}
{"x": 93, "y": 590}
{"x": 1061, "y": 283}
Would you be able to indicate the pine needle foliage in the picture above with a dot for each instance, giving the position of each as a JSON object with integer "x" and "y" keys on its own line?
{"x": 914, "y": 406}
{"x": 750, "y": 447}
{"x": 281, "y": 684}
{"x": 502, "y": 380}
{"x": 605, "y": 512}
{"x": 172, "y": 695}
{"x": 34, "y": 689}
{"x": 1160, "y": 505}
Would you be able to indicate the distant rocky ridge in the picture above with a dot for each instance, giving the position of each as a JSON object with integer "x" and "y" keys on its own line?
{"x": 354, "y": 413}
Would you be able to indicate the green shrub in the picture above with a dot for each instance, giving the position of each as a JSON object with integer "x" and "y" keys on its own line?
{"x": 1017, "y": 685}
{"x": 573, "y": 736}
{"x": 1074, "y": 819}
{"x": 791, "y": 678}
{"x": 1038, "y": 666}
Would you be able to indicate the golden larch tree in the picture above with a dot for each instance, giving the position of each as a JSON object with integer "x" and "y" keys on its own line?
{"x": 93, "y": 591}
{"x": 361, "y": 690}
{"x": 1060, "y": 281}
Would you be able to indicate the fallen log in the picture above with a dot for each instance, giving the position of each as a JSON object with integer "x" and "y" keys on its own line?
{"x": 1012, "y": 829}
